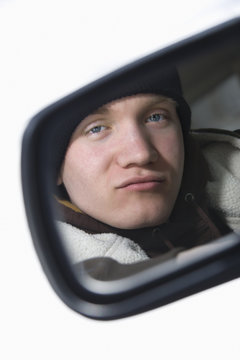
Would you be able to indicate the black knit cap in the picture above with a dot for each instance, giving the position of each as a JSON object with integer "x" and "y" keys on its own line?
{"x": 161, "y": 81}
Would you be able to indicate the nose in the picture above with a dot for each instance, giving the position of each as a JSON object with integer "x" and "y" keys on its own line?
{"x": 136, "y": 149}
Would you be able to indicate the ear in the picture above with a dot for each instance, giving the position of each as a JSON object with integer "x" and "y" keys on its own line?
{"x": 60, "y": 174}
{"x": 59, "y": 180}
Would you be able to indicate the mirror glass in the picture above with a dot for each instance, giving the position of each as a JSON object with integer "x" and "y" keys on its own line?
{"x": 142, "y": 179}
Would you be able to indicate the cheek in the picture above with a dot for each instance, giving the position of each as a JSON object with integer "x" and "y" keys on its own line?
{"x": 176, "y": 149}
{"x": 83, "y": 166}
{"x": 171, "y": 148}
{"x": 76, "y": 165}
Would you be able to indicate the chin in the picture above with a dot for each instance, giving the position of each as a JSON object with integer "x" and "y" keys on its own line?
{"x": 141, "y": 222}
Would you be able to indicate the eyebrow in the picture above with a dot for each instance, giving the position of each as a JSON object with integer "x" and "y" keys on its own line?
{"x": 156, "y": 101}
{"x": 103, "y": 110}
{"x": 100, "y": 111}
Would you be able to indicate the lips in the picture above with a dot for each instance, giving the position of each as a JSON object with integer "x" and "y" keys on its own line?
{"x": 151, "y": 180}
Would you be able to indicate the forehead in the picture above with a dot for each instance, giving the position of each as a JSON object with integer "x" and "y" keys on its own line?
{"x": 137, "y": 101}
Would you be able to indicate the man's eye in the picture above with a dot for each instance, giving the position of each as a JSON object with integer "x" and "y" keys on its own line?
{"x": 156, "y": 117}
{"x": 97, "y": 129}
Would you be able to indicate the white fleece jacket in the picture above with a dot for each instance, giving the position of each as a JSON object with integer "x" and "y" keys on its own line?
{"x": 222, "y": 153}
{"x": 81, "y": 246}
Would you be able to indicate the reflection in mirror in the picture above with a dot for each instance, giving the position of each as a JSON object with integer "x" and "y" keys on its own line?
{"x": 137, "y": 182}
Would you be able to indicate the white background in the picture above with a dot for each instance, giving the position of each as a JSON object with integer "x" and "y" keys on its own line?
{"x": 48, "y": 49}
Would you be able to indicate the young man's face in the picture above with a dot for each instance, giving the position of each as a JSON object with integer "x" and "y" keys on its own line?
{"x": 124, "y": 163}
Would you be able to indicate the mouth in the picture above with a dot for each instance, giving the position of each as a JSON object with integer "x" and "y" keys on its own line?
{"x": 142, "y": 183}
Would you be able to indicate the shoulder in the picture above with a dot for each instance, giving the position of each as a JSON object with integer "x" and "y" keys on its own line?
{"x": 221, "y": 149}
{"x": 206, "y": 137}
{"x": 80, "y": 245}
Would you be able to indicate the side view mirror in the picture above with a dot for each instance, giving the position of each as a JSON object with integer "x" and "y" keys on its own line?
{"x": 184, "y": 241}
